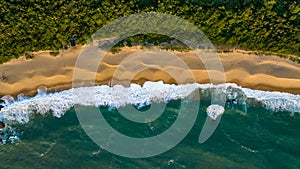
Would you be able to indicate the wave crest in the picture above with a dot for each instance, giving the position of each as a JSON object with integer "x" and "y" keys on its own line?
{"x": 116, "y": 96}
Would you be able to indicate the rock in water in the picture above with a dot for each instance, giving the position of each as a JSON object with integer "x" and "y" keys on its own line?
{"x": 214, "y": 111}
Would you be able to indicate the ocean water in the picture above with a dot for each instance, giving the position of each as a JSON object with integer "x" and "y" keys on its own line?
{"x": 260, "y": 131}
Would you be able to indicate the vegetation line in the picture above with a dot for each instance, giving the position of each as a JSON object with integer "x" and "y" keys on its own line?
{"x": 263, "y": 25}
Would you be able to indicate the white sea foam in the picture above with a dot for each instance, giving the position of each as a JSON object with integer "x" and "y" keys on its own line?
{"x": 116, "y": 96}
{"x": 214, "y": 111}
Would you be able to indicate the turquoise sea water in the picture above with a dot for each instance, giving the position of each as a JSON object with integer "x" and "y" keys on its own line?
{"x": 259, "y": 138}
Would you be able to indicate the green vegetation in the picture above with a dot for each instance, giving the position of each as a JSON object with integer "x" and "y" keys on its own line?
{"x": 264, "y": 25}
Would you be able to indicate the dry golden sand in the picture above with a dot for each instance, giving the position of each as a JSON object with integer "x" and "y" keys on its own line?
{"x": 248, "y": 70}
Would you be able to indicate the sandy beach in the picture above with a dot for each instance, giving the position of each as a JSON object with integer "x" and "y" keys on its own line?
{"x": 264, "y": 72}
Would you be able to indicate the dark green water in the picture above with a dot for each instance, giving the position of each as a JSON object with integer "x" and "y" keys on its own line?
{"x": 256, "y": 139}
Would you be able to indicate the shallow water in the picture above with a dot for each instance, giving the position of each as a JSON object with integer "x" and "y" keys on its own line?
{"x": 259, "y": 138}
{"x": 260, "y": 131}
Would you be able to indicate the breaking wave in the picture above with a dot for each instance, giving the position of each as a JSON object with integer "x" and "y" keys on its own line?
{"x": 60, "y": 102}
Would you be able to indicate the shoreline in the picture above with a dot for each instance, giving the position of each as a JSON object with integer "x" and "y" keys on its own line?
{"x": 266, "y": 72}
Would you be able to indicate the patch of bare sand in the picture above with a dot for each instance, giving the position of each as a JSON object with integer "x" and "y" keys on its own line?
{"x": 248, "y": 70}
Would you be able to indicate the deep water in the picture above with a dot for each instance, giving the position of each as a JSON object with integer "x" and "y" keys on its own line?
{"x": 259, "y": 138}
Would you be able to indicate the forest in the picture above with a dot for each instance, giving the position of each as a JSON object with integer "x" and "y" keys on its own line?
{"x": 263, "y": 25}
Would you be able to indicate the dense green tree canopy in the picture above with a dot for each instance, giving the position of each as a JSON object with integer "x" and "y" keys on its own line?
{"x": 32, "y": 25}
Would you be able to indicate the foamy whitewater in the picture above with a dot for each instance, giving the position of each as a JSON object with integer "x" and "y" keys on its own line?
{"x": 116, "y": 96}
{"x": 214, "y": 110}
